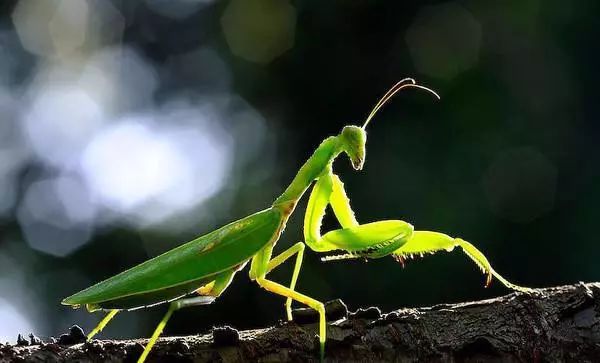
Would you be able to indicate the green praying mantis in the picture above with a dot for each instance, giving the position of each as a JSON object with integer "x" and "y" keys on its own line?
{"x": 197, "y": 272}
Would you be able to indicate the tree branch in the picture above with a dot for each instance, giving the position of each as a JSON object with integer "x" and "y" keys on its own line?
{"x": 552, "y": 324}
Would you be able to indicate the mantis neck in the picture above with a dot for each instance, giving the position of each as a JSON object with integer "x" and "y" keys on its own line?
{"x": 312, "y": 168}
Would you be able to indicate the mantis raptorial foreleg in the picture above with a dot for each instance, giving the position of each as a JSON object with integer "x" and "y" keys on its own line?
{"x": 379, "y": 238}
{"x": 373, "y": 240}
{"x": 422, "y": 242}
{"x": 340, "y": 203}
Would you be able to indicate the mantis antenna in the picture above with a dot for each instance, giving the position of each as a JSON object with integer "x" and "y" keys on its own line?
{"x": 404, "y": 83}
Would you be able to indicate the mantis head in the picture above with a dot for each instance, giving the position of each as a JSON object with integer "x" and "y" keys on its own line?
{"x": 354, "y": 138}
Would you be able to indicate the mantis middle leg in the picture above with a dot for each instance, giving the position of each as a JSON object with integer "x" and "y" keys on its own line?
{"x": 298, "y": 250}
{"x": 262, "y": 264}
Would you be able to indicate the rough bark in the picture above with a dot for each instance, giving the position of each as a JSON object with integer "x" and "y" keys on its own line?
{"x": 552, "y": 324}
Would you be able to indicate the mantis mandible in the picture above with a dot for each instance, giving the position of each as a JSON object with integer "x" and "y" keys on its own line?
{"x": 197, "y": 272}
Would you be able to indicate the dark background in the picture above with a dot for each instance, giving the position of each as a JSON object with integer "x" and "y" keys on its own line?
{"x": 508, "y": 159}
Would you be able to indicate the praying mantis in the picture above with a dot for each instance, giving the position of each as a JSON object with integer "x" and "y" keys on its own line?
{"x": 199, "y": 271}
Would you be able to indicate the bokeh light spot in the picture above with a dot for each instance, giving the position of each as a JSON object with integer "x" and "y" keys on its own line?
{"x": 120, "y": 79}
{"x": 444, "y": 40}
{"x": 129, "y": 163}
{"x": 60, "y": 122}
{"x": 149, "y": 172}
{"x": 57, "y": 28}
{"x": 56, "y": 215}
{"x": 259, "y": 30}
{"x": 31, "y": 19}
{"x": 520, "y": 184}
{"x": 68, "y": 26}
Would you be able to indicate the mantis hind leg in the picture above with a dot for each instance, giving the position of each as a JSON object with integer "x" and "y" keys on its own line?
{"x": 422, "y": 242}
{"x": 111, "y": 314}
{"x": 174, "y": 306}
{"x": 209, "y": 293}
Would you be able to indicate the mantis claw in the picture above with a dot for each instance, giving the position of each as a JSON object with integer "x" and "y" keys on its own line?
{"x": 488, "y": 280}
{"x": 400, "y": 259}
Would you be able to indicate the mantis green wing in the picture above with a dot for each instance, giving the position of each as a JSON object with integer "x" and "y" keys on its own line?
{"x": 184, "y": 269}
